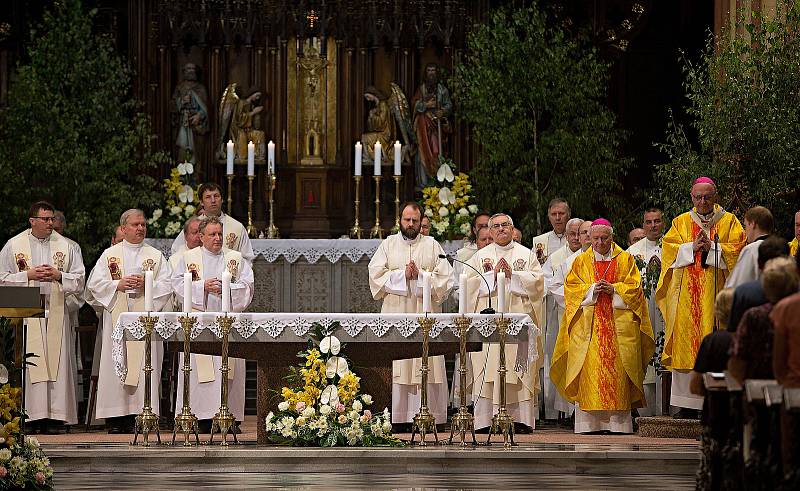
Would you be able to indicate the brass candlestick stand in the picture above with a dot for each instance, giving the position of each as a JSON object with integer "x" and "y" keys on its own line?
{"x": 463, "y": 421}
{"x": 272, "y": 230}
{"x": 251, "y": 230}
{"x": 355, "y": 232}
{"x": 230, "y": 195}
{"x": 424, "y": 421}
{"x": 377, "y": 231}
{"x": 502, "y": 422}
{"x": 186, "y": 421}
{"x": 223, "y": 421}
{"x": 147, "y": 420}
{"x": 396, "y": 227}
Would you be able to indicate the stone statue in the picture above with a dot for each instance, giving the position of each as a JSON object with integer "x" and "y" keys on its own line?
{"x": 387, "y": 121}
{"x": 191, "y": 106}
{"x": 240, "y": 115}
{"x": 432, "y": 108}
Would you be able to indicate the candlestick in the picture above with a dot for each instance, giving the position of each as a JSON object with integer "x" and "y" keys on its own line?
{"x": 223, "y": 421}
{"x": 229, "y": 159}
{"x": 251, "y": 230}
{"x": 397, "y": 148}
{"x": 186, "y": 421}
{"x": 355, "y": 232}
{"x": 148, "y": 291}
{"x": 376, "y": 169}
{"x": 424, "y": 421}
{"x": 147, "y": 420}
{"x": 426, "y": 291}
{"x": 251, "y": 159}
{"x": 396, "y": 227}
{"x": 462, "y": 421}
{"x": 230, "y": 194}
{"x": 271, "y": 157}
{"x": 358, "y": 159}
{"x": 501, "y": 292}
{"x": 502, "y": 422}
{"x": 462, "y": 293}
{"x": 226, "y": 292}
{"x": 187, "y": 293}
{"x": 272, "y": 230}
{"x": 377, "y": 231}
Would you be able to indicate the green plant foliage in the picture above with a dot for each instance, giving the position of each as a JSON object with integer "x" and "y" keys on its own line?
{"x": 73, "y": 134}
{"x": 744, "y": 105}
{"x": 534, "y": 96}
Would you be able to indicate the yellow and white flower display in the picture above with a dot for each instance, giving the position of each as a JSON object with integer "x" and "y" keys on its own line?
{"x": 448, "y": 203}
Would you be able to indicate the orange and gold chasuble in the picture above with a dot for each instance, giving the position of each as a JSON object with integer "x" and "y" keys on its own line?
{"x": 602, "y": 351}
{"x": 686, "y": 295}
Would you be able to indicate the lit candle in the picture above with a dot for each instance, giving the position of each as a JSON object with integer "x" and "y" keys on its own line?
{"x": 229, "y": 161}
{"x": 251, "y": 159}
{"x": 148, "y": 291}
{"x": 226, "y": 291}
{"x": 187, "y": 292}
{"x": 358, "y": 159}
{"x": 397, "y": 158}
{"x": 377, "y": 169}
{"x": 462, "y": 293}
{"x": 501, "y": 292}
{"x": 426, "y": 292}
{"x": 271, "y": 157}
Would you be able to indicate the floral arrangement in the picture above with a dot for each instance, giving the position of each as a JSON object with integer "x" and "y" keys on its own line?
{"x": 325, "y": 408}
{"x": 23, "y": 465}
{"x": 448, "y": 203}
{"x": 179, "y": 203}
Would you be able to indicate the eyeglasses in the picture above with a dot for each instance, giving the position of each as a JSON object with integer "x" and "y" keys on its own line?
{"x": 497, "y": 226}
{"x": 704, "y": 197}
{"x": 46, "y": 219}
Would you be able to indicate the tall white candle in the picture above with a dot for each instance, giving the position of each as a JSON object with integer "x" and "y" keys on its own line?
{"x": 397, "y": 149}
{"x": 426, "y": 292}
{"x": 251, "y": 159}
{"x": 462, "y": 293}
{"x": 271, "y": 157}
{"x": 229, "y": 161}
{"x": 187, "y": 292}
{"x": 501, "y": 292}
{"x": 148, "y": 291}
{"x": 226, "y": 291}
{"x": 377, "y": 168}
{"x": 358, "y": 159}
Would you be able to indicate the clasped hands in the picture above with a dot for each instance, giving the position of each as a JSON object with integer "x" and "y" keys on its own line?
{"x": 412, "y": 272}
{"x": 701, "y": 243}
{"x": 603, "y": 286}
{"x": 213, "y": 285}
{"x": 45, "y": 272}
{"x": 131, "y": 282}
{"x": 502, "y": 265}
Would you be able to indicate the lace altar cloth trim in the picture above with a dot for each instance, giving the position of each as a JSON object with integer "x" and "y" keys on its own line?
{"x": 311, "y": 249}
{"x": 245, "y": 325}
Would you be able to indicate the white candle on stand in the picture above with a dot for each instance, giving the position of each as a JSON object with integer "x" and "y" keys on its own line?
{"x": 397, "y": 148}
{"x": 462, "y": 293}
{"x": 426, "y": 292}
{"x": 148, "y": 291}
{"x": 187, "y": 292}
{"x": 358, "y": 159}
{"x": 271, "y": 157}
{"x": 229, "y": 161}
{"x": 226, "y": 291}
{"x": 251, "y": 159}
{"x": 377, "y": 168}
{"x": 501, "y": 292}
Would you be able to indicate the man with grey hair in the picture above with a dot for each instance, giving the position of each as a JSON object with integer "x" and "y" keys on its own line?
{"x": 117, "y": 284}
{"x": 558, "y": 213}
{"x": 524, "y": 292}
{"x": 554, "y": 274}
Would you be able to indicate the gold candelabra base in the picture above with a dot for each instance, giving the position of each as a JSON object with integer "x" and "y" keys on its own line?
{"x": 355, "y": 232}
{"x": 424, "y": 421}
{"x": 186, "y": 421}
{"x": 230, "y": 193}
{"x": 223, "y": 422}
{"x": 252, "y": 232}
{"x": 272, "y": 230}
{"x": 377, "y": 232}
{"x": 463, "y": 422}
{"x": 502, "y": 422}
{"x": 396, "y": 227}
{"x": 146, "y": 422}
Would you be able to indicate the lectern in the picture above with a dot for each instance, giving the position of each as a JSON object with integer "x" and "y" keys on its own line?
{"x": 18, "y": 303}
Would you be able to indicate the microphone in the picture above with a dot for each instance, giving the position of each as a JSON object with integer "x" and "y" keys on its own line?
{"x": 489, "y": 309}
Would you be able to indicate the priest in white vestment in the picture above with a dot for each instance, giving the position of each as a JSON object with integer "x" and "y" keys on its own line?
{"x": 647, "y": 254}
{"x": 554, "y": 293}
{"x": 758, "y": 224}
{"x": 395, "y": 277}
{"x": 234, "y": 233}
{"x": 42, "y": 257}
{"x": 206, "y": 264}
{"x": 525, "y": 290}
{"x": 117, "y": 283}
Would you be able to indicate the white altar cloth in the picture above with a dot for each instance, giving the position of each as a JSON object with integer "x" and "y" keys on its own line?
{"x": 369, "y": 327}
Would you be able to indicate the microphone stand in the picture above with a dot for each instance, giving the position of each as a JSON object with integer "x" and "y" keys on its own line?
{"x": 716, "y": 270}
{"x": 489, "y": 309}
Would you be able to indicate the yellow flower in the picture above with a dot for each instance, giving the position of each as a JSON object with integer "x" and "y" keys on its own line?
{"x": 348, "y": 387}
